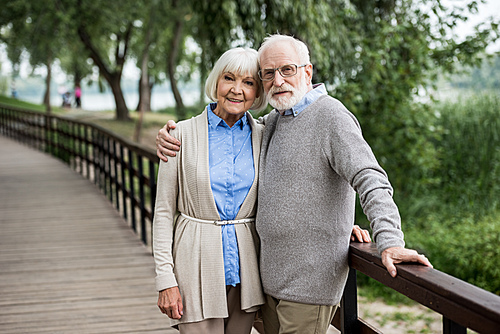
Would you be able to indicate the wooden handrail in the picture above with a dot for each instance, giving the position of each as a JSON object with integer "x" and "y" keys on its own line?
{"x": 458, "y": 301}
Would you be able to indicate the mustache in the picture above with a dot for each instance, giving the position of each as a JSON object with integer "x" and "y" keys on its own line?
{"x": 283, "y": 88}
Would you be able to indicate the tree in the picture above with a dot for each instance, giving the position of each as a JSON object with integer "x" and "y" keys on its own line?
{"x": 148, "y": 49}
{"x": 377, "y": 57}
{"x": 74, "y": 60}
{"x": 103, "y": 26}
{"x": 37, "y": 28}
{"x": 400, "y": 48}
{"x": 216, "y": 27}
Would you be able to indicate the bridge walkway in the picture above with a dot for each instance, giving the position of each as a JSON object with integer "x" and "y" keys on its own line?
{"x": 68, "y": 262}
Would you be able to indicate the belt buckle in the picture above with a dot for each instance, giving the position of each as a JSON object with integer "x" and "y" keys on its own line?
{"x": 221, "y": 222}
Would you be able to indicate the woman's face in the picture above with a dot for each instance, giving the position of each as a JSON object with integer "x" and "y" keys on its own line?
{"x": 235, "y": 94}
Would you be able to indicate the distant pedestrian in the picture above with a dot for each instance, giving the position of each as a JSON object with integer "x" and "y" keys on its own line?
{"x": 78, "y": 95}
{"x": 66, "y": 100}
{"x": 13, "y": 89}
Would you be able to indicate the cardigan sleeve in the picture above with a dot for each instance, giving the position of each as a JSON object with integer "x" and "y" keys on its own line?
{"x": 163, "y": 222}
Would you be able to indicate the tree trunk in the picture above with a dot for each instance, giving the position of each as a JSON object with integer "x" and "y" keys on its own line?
{"x": 121, "y": 106}
{"x": 203, "y": 75}
{"x": 148, "y": 95}
{"x": 138, "y": 108}
{"x": 112, "y": 77}
{"x": 172, "y": 64}
{"x": 144, "y": 86}
{"x": 144, "y": 96}
{"x": 77, "y": 76}
{"x": 46, "y": 97}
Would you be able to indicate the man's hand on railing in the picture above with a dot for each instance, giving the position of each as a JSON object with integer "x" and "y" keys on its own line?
{"x": 360, "y": 235}
{"x": 395, "y": 255}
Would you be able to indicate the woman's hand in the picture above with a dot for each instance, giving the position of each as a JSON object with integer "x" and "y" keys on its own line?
{"x": 170, "y": 302}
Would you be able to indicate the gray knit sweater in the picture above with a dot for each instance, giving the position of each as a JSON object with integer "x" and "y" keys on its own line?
{"x": 310, "y": 168}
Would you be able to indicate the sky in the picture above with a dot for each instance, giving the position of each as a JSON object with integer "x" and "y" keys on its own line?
{"x": 489, "y": 8}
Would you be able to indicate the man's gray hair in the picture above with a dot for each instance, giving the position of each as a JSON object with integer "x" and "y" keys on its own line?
{"x": 299, "y": 46}
{"x": 238, "y": 61}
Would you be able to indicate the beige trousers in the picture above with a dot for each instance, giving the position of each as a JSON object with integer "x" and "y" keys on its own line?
{"x": 238, "y": 321}
{"x": 285, "y": 317}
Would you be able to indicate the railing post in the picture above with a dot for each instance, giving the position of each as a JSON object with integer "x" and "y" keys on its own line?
{"x": 107, "y": 169}
{"x": 152, "y": 192}
{"x": 451, "y": 327}
{"x": 132, "y": 188}
{"x": 349, "y": 306}
{"x": 124, "y": 188}
{"x": 87, "y": 151}
{"x": 117, "y": 182}
{"x": 95, "y": 155}
{"x": 142, "y": 199}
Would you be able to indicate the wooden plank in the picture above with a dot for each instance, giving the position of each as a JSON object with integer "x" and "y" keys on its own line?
{"x": 68, "y": 262}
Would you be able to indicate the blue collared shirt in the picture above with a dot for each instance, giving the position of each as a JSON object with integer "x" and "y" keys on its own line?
{"x": 232, "y": 174}
{"x": 307, "y": 100}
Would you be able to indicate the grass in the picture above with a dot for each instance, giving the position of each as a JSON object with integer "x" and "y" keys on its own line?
{"x": 11, "y": 102}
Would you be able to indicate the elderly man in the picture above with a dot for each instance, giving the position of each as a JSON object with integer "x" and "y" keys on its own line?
{"x": 313, "y": 161}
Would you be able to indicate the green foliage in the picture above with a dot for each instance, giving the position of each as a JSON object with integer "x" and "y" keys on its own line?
{"x": 190, "y": 111}
{"x": 463, "y": 246}
{"x": 470, "y": 153}
{"x": 11, "y": 102}
{"x": 484, "y": 77}
{"x": 450, "y": 209}
{"x": 458, "y": 225}
{"x": 377, "y": 57}
{"x": 373, "y": 55}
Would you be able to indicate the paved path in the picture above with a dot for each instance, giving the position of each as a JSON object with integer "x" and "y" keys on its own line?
{"x": 68, "y": 262}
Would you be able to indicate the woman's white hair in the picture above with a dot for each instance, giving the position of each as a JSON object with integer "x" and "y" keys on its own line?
{"x": 299, "y": 46}
{"x": 238, "y": 61}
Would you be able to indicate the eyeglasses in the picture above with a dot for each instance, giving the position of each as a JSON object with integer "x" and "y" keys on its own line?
{"x": 267, "y": 74}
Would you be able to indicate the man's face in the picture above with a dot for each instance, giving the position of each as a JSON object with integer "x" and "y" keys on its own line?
{"x": 284, "y": 92}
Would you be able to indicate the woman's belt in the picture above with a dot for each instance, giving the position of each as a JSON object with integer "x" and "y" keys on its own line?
{"x": 219, "y": 222}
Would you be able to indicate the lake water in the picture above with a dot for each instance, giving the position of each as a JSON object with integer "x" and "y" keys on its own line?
{"x": 95, "y": 101}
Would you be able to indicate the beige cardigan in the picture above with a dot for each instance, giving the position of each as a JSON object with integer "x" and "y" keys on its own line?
{"x": 188, "y": 253}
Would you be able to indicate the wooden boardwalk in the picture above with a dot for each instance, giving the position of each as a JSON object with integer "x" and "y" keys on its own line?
{"x": 68, "y": 262}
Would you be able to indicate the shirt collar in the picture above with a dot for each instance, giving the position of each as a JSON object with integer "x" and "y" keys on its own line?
{"x": 214, "y": 121}
{"x": 307, "y": 100}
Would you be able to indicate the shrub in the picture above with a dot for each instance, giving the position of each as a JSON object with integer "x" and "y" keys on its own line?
{"x": 463, "y": 247}
{"x": 470, "y": 155}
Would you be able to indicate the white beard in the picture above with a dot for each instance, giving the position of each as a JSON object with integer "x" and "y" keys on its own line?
{"x": 285, "y": 103}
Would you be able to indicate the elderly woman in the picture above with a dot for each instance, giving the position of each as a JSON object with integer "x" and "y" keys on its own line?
{"x": 204, "y": 240}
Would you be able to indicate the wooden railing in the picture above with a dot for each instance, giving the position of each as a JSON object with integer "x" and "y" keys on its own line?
{"x": 462, "y": 305}
{"x": 123, "y": 170}
{"x": 126, "y": 173}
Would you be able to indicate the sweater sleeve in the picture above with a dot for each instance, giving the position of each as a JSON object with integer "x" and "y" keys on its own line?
{"x": 163, "y": 222}
{"x": 352, "y": 158}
